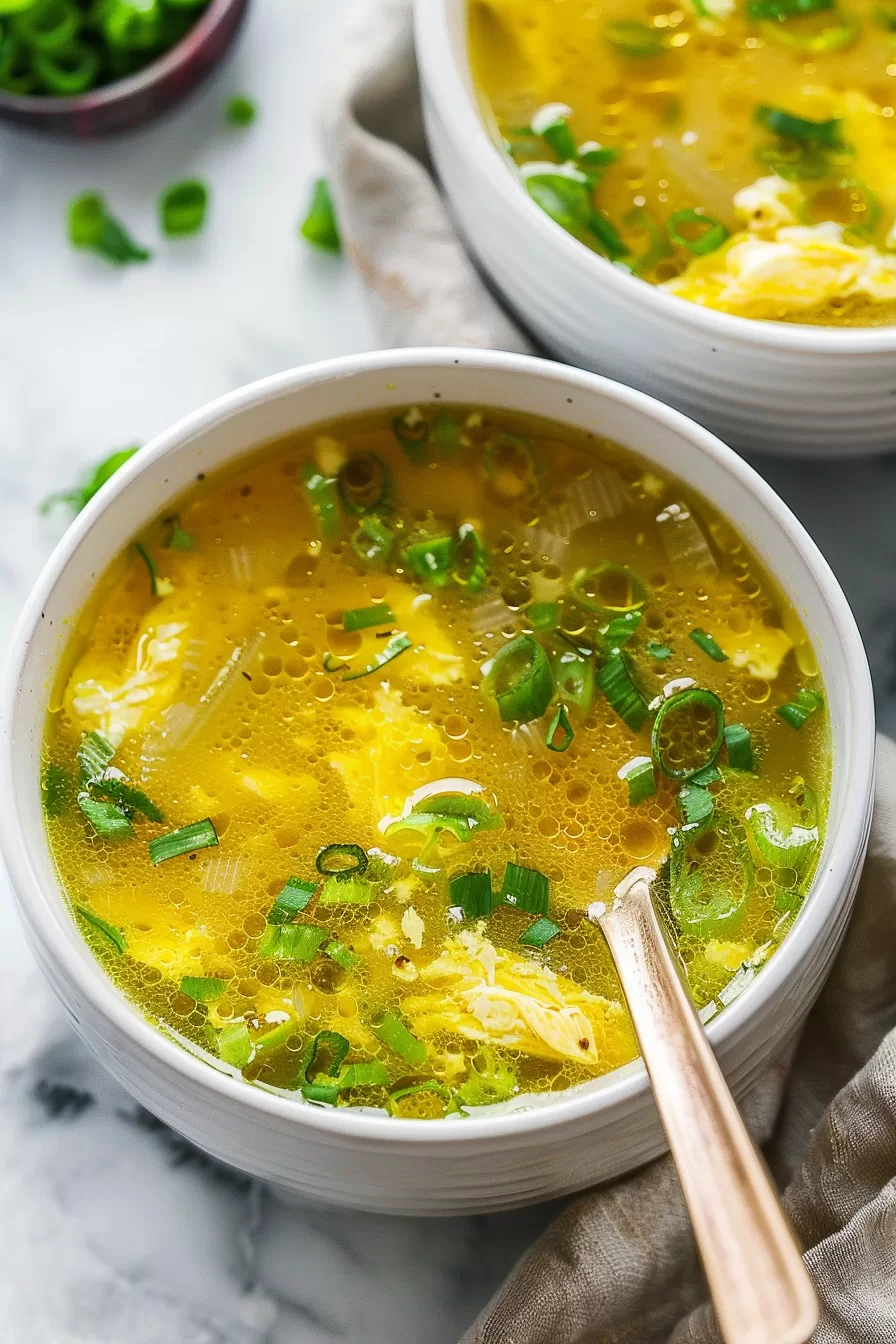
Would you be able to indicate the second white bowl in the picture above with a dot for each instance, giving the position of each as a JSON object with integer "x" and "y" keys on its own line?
{"x": 770, "y": 386}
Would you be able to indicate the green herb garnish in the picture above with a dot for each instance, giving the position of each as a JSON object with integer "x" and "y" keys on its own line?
{"x": 393, "y": 1033}
{"x": 804, "y": 704}
{"x": 92, "y": 229}
{"x": 202, "y": 988}
{"x": 540, "y": 933}
{"x": 240, "y": 110}
{"x": 520, "y": 681}
{"x": 525, "y": 889}
{"x": 709, "y": 646}
{"x": 320, "y": 226}
{"x": 291, "y": 942}
{"x": 365, "y": 618}
{"x": 295, "y": 897}
{"x": 472, "y": 893}
{"x": 638, "y": 775}
{"x": 198, "y": 835}
{"x": 112, "y": 934}
{"x": 183, "y": 207}
{"x": 560, "y": 734}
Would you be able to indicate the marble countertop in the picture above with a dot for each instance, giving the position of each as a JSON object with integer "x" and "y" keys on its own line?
{"x": 113, "y": 1228}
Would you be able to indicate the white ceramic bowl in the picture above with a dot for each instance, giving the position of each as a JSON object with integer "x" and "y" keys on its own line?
{"x": 367, "y": 1161}
{"x": 769, "y": 386}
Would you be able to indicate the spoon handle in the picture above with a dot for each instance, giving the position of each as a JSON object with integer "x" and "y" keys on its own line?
{"x": 759, "y": 1285}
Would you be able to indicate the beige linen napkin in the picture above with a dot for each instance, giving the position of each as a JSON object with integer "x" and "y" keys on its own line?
{"x": 620, "y": 1265}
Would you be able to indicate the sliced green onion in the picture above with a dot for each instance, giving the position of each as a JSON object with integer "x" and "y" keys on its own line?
{"x": 81, "y": 495}
{"x": 94, "y": 755}
{"x": 393, "y": 1033}
{"x": 295, "y": 897}
{"x": 739, "y": 745}
{"x": 638, "y": 775}
{"x": 804, "y": 704}
{"x": 365, "y": 484}
{"x": 66, "y": 70}
{"x": 92, "y": 228}
{"x": 126, "y": 797}
{"x": 692, "y": 698}
{"x": 472, "y": 893}
{"x": 430, "y": 824}
{"x": 526, "y": 889}
{"x": 595, "y": 159}
{"x": 834, "y": 36}
{"x": 346, "y": 891}
{"x": 615, "y": 680}
{"x": 564, "y": 196}
{"x": 633, "y": 39}
{"x": 696, "y": 807}
{"x": 551, "y": 124}
{"x": 780, "y": 844}
{"x": 470, "y": 559}
{"x": 540, "y": 933}
{"x": 372, "y": 541}
{"x": 431, "y": 560}
{"x": 178, "y": 539}
{"x": 159, "y": 587}
{"x": 709, "y": 646}
{"x": 365, "y": 618}
{"x": 368, "y": 1073}
{"x": 240, "y": 110}
{"x": 696, "y": 914}
{"x": 490, "y": 1080}
{"x": 802, "y": 163}
{"x": 475, "y": 814}
{"x": 520, "y": 680}
{"x": 439, "y": 1089}
{"x": 607, "y": 235}
{"x": 397, "y": 645}
{"x": 342, "y": 955}
{"x": 198, "y": 835}
{"x": 710, "y": 774}
{"x": 107, "y": 819}
{"x": 202, "y": 988}
{"x": 643, "y": 222}
{"x": 574, "y": 679}
{"x": 291, "y": 942}
{"x": 544, "y": 615}
{"x": 57, "y": 788}
{"x": 46, "y": 26}
{"x": 336, "y": 1047}
{"x": 320, "y": 227}
{"x": 608, "y": 589}
{"x": 658, "y": 651}
{"x": 559, "y": 724}
{"x": 616, "y": 634}
{"x": 323, "y": 496}
{"x": 785, "y": 9}
{"x": 447, "y": 434}
{"x": 112, "y": 934}
{"x": 412, "y": 432}
{"x": 275, "y": 1038}
{"x": 235, "y": 1045}
{"x": 704, "y": 234}
{"x": 183, "y": 207}
{"x": 789, "y": 127}
{"x": 341, "y": 861}
{"x": 326, "y": 1094}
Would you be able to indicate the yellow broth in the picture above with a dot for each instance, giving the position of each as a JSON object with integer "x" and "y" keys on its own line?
{"x": 234, "y": 696}
{"x": 686, "y": 99}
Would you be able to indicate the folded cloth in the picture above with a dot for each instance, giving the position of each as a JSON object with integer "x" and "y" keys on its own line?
{"x": 620, "y": 1265}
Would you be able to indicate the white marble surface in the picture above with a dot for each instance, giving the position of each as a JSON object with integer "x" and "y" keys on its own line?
{"x": 112, "y": 1228}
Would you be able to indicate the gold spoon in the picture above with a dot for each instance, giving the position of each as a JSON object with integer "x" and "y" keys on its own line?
{"x": 759, "y": 1285}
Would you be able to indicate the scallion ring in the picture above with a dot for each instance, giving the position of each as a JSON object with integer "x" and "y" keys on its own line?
{"x": 694, "y": 702}
{"x": 699, "y": 233}
{"x": 365, "y": 484}
{"x": 520, "y": 680}
{"x": 608, "y": 589}
{"x": 341, "y": 861}
{"x": 560, "y": 734}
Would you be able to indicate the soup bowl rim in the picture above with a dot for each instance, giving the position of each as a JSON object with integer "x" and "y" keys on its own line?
{"x": 48, "y": 919}
{"x": 452, "y": 95}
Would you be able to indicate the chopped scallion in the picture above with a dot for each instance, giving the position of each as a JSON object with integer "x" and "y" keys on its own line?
{"x": 698, "y": 232}
{"x": 636, "y": 40}
{"x": 367, "y": 1073}
{"x": 365, "y": 484}
{"x": 710, "y": 774}
{"x": 323, "y": 496}
{"x": 183, "y": 207}
{"x": 393, "y": 1033}
{"x": 94, "y": 754}
{"x": 617, "y": 633}
{"x": 694, "y": 702}
{"x": 658, "y": 651}
{"x": 638, "y": 775}
{"x": 158, "y": 586}
{"x": 187, "y": 840}
{"x": 320, "y": 227}
{"x": 615, "y": 680}
{"x": 372, "y": 541}
{"x": 608, "y": 589}
{"x": 178, "y": 539}
{"x": 709, "y": 646}
{"x": 551, "y": 124}
{"x": 91, "y": 227}
{"x": 782, "y": 845}
{"x": 341, "y": 861}
{"x": 560, "y": 734}
{"x": 696, "y": 807}
{"x": 739, "y": 745}
{"x": 235, "y": 1045}
{"x": 525, "y": 889}
{"x": 108, "y": 820}
{"x": 540, "y": 933}
{"x": 126, "y": 797}
{"x": 574, "y": 679}
{"x": 112, "y": 934}
{"x": 520, "y": 680}
{"x": 431, "y": 560}
{"x": 202, "y": 988}
{"x": 365, "y": 618}
{"x": 398, "y": 644}
{"x": 431, "y": 1085}
{"x": 342, "y": 955}
{"x": 544, "y": 615}
{"x": 240, "y": 110}
{"x": 295, "y": 897}
{"x": 332, "y": 1049}
{"x": 472, "y": 893}
{"x": 804, "y": 704}
{"x": 346, "y": 891}
{"x": 470, "y": 557}
{"x": 291, "y": 942}
{"x": 790, "y": 127}
{"x": 57, "y": 788}
{"x": 412, "y": 432}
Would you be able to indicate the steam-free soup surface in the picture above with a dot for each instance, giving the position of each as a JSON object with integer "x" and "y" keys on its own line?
{"x": 416, "y": 688}
{"x": 738, "y": 153}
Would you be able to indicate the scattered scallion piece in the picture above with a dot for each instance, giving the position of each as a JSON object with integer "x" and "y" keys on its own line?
{"x": 490, "y": 1080}
{"x": 617, "y": 633}
{"x": 638, "y": 775}
{"x": 126, "y": 797}
{"x": 526, "y": 889}
{"x": 183, "y": 207}
{"x": 472, "y": 893}
{"x": 615, "y": 680}
{"x": 833, "y": 36}
{"x": 342, "y": 955}
{"x": 323, "y": 496}
{"x": 412, "y": 432}
{"x": 431, "y": 560}
{"x": 365, "y": 618}
{"x": 275, "y": 1038}
{"x": 202, "y": 988}
{"x": 240, "y": 110}
{"x": 739, "y": 745}
{"x": 699, "y": 233}
{"x": 346, "y": 891}
{"x": 112, "y": 934}
{"x": 595, "y": 159}
{"x": 709, "y": 646}
{"x": 108, "y": 820}
{"x": 710, "y": 774}
{"x": 444, "y": 1094}
{"x": 81, "y": 495}
{"x": 367, "y": 1073}
{"x": 790, "y": 127}
{"x": 550, "y": 122}
{"x": 782, "y": 845}
{"x": 341, "y": 861}
{"x": 291, "y": 942}
{"x": 698, "y": 914}
{"x": 159, "y": 586}
{"x": 692, "y": 699}
{"x": 574, "y": 679}
{"x": 295, "y": 897}
{"x": 334, "y": 1049}
{"x": 398, "y": 644}
{"x": 559, "y": 725}
{"x": 696, "y": 807}
{"x": 474, "y": 813}
{"x": 235, "y": 1045}
{"x": 520, "y": 681}
{"x": 92, "y": 229}
{"x": 785, "y": 9}
{"x": 365, "y": 484}
{"x": 178, "y": 539}
{"x": 372, "y": 540}
{"x": 540, "y": 933}
{"x": 470, "y": 559}
{"x": 544, "y": 615}
{"x": 633, "y": 39}
{"x": 658, "y": 651}
{"x": 393, "y": 1033}
{"x": 804, "y": 704}
{"x": 320, "y": 227}
{"x": 198, "y": 835}
{"x": 57, "y": 788}
{"x": 94, "y": 755}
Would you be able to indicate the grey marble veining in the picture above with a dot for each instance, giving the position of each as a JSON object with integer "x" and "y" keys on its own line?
{"x": 113, "y": 1228}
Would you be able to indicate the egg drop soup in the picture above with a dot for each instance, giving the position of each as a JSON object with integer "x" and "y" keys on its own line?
{"x": 345, "y": 744}
{"x": 736, "y": 153}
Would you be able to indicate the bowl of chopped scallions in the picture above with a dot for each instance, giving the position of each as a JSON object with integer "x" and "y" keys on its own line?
{"x": 86, "y": 68}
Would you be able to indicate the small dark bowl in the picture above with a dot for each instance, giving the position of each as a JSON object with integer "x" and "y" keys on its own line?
{"x": 140, "y": 97}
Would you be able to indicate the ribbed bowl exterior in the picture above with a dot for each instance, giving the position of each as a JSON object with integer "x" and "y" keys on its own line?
{"x": 772, "y": 387}
{"x": 575, "y": 1139}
